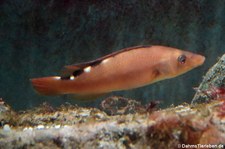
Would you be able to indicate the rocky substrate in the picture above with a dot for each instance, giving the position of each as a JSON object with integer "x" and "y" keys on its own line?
{"x": 213, "y": 84}
{"x": 75, "y": 127}
{"x": 122, "y": 122}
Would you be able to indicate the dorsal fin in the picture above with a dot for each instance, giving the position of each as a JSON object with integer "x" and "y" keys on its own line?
{"x": 77, "y": 69}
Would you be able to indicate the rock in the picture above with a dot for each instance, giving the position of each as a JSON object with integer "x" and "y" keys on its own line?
{"x": 168, "y": 128}
{"x": 6, "y": 113}
{"x": 116, "y": 105}
{"x": 64, "y": 115}
{"x": 6, "y": 128}
{"x": 213, "y": 84}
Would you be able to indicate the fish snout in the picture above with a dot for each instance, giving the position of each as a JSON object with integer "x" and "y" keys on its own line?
{"x": 198, "y": 60}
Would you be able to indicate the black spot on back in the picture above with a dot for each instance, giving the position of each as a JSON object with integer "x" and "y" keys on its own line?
{"x": 78, "y": 72}
{"x": 65, "y": 77}
{"x": 75, "y": 74}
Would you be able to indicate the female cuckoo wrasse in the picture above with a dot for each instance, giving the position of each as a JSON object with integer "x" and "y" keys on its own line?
{"x": 126, "y": 69}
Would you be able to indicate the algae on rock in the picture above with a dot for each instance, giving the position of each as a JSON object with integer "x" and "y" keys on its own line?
{"x": 213, "y": 80}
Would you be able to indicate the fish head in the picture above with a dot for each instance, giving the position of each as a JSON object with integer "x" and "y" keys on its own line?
{"x": 184, "y": 61}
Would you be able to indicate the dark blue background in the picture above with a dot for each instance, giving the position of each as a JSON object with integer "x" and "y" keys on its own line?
{"x": 37, "y": 38}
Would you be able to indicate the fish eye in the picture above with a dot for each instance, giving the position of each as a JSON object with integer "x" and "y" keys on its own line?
{"x": 182, "y": 59}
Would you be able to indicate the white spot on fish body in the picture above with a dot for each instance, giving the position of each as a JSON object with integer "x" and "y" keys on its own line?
{"x": 72, "y": 77}
{"x": 87, "y": 69}
{"x": 57, "y": 77}
{"x": 105, "y": 61}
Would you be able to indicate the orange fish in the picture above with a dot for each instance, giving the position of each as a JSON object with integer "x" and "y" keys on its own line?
{"x": 122, "y": 70}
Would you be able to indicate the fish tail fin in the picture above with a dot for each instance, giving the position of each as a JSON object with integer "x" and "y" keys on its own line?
{"x": 47, "y": 85}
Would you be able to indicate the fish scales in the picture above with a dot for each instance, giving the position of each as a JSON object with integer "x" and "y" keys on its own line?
{"x": 126, "y": 69}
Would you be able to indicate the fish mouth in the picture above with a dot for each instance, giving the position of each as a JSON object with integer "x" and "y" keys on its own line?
{"x": 198, "y": 60}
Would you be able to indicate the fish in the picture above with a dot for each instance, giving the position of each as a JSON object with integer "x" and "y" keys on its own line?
{"x": 125, "y": 69}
